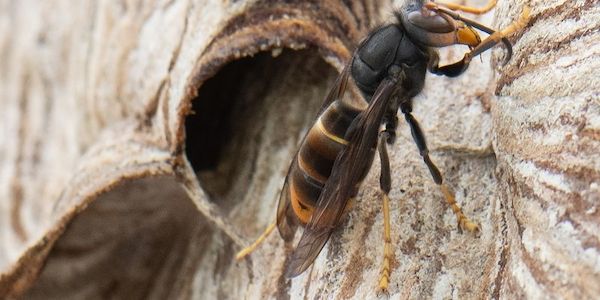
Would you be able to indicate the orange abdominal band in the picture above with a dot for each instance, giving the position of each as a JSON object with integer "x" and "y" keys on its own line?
{"x": 302, "y": 211}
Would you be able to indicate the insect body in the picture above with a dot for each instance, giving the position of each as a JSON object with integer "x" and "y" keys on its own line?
{"x": 358, "y": 119}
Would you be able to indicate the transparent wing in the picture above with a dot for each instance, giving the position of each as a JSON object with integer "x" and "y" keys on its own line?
{"x": 347, "y": 171}
{"x": 287, "y": 222}
{"x": 286, "y": 219}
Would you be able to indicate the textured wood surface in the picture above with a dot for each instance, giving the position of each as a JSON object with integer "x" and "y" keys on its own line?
{"x": 143, "y": 143}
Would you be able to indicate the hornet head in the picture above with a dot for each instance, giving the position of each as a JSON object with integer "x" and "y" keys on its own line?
{"x": 434, "y": 29}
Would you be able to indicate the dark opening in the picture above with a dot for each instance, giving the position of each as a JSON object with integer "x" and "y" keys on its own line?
{"x": 209, "y": 128}
{"x": 251, "y": 110}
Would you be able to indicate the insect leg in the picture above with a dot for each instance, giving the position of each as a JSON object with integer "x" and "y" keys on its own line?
{"x": 495, "y": 37}
{"x": 419, "y": 139}
{"x": 385, "y": 184}
{"x": 244, "y": 252}
{"x": 467, "y": 9}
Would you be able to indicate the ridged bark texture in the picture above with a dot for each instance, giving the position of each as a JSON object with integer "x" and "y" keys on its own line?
{"x": 143, "y": 143}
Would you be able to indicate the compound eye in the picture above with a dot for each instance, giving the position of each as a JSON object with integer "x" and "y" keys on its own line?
{"x": 430, "y": 21}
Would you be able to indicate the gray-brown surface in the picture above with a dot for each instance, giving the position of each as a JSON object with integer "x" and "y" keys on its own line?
{"x": 100, "y": 196}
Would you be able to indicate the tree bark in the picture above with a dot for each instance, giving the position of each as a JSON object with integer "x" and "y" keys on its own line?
{"x": 145, "y": 142}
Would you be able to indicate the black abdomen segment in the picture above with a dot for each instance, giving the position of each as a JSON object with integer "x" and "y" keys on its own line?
{"x": 316, "y": 156}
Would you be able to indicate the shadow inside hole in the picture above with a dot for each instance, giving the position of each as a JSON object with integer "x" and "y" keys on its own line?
{"x": 248, "y": 119}
{"x": 140, "y": 240}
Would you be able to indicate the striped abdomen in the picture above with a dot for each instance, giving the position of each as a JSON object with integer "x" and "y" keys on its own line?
{"x": 316, "y": 156}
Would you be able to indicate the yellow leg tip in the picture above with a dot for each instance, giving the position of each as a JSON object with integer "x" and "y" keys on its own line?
{"x": 383, "y": 285}
{"x": 246, "y": 251}
{"x": 243, "y": 253}
{"x": 240, "y": 255}
{"x": 384, "y": 278}
{"x": 517, "y": 25}
{"x": 525, "y": 14}
{"x": 466, "y": 224}
{"x": 472, "y": 227}
{"x": 468, "y": 9}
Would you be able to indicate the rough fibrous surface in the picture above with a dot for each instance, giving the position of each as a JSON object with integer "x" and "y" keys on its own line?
{"x": 145, "y": 142}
